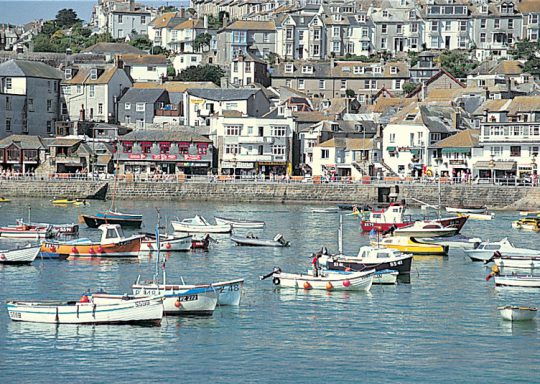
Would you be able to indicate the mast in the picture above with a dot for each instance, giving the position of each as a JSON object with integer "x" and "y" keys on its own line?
{"x": 158, "y": 245}
{"x": 112, "y": 209}
{"x": 439, "y": 205}
{"x": 340, "y": 235}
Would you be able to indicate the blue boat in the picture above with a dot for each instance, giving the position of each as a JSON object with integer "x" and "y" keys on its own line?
{"x": 124, "y": 219}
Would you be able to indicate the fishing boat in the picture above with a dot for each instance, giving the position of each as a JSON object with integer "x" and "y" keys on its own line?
{"x": 369, "y": 258}
{"x": 424, "y": 228}
{"x": 457, "y": 241}
{"x": 71, "y": 202}
{"x": 142, "y": 310}
{"x": 24, "y": 255}
{"x": 353, "y": 281}
{"x": 517, "y": 313}
{"x": 24, "y": 231}
{"x": 113, "y": 244}
{"x": 484, "y": 251}
{"x": 198, "y": 224}
{"x": 478, "y": 216}
{"x": 236, "y": 223}
{"x": 200, "y": 243}
{"x": 382, "y": 220}
{"x": 523, "y": 281}
{"x": 128, "y": 220}
{"x": 527, "y": 224}
{"x": 383, "y": 277}
{"x": 167, "y": 243}
{"x": 516, "y": 261}
{"x": 411, "y": 245}
{"x": 57, "y": 229}
{"x": 467, "y": 209}
{"x": 228, "y": 292}
{"x": 254, "y": 241}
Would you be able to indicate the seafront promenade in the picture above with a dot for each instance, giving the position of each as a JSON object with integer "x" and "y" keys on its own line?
{"x": 282, "y": 190}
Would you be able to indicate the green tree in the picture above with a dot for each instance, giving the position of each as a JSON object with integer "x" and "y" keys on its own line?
{"x": 49, "y": 27}
{"x": 142, "y": 42}
{"x": 66, "y": 18}
{"x": 206, "y": 72}
{"x": 350, "y": 93}
{"x": 532, "y": 66}
{"x": 158, "y": 50}
{"x": 171, "y": 72}
{"x": 409, "y": 87}
{"x": 413, "y": 58}
{"x": 525, "y": 49}
{"x": 168, "y": 8}
{"x": 457, "y": 63}
{"x": 201, "y": 41}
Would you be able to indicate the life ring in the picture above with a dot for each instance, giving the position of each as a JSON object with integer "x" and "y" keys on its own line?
{"x": 276, "y": 281}
{"x": 429, "y": 173}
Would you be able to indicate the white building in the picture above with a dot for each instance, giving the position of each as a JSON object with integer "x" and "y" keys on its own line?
{"x": 145, "y": 68}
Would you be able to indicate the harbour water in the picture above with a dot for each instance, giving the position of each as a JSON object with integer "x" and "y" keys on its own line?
{"x": 442, "y": 327}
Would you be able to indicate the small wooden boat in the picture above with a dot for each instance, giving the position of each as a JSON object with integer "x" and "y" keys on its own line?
{"x": 383, "y": 277}
{"x": 467, "y": 209}
{"x": 140, "y": 310}
{"x": 198, "y": 224}
{"x": 229, "y": 292}
{"x": 25, "y": 255}
{"x": 457, "y": 241}
{"x": 113, "y": 244}
{"x": 485, "y": 250}
{"x": 517, "y": 313}
{"x": 4, "y": 200}
{"x": 236, "y": 223}
{"x": 24, "y": 231}
{"x": 111, "y": 217}
{"x": 66, "y": 202}
{"x": 254, "y": 241}
{"x": 425, "y": 228}
{"x": 166, "y": 243}
{"x": 523, "y": 281}
{"x": 479, "y": 216}
{"x": 411, "y": 245}
{"x": 527, "y": 224}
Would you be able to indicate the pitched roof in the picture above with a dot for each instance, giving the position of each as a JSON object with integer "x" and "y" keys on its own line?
{"x": 190, "y": 24}
{"x": 133, "y": 59}
{"x": 524, "y": 104}
{"x": 493, "y": 105}
{"x": 22, "y": 141}
{"x": 251, "y": 25}
{"x": 159, "y": 135}
{"x": 63, "y": 142}
{"x": 383, "y": 103}
{"x": 223, "y": 94}
{"x": 113, "y": 48}
{"x": 83, "y": 76}
{"x": 165, "y": 20}
{"x": 348, "y": 143}
{"x": 134, "y": 95}
{"x": 24, "y": 68}
{"x": 529, "y": 6}
{"x": 177, "y": 86}
{"x": 463, "y": 139}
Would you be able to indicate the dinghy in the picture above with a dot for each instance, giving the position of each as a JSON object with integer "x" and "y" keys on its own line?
{"x": 527, "y": 224}
{"x": 467, "y": 209}
{"x": 325, "y": 210}
{"x": 353, "y": 281}
{"x": 517, "y": 313}
{"x": 166, "y": 243}
{"x": 384, "y": 277}
{"x": 143, "y": 310}
{"x": 129, "y": 220}
{"x": 24, "y": 255}
{"x": 24, "y": 231}
{"x": 254, "y": 241}
{"x": 484, "y": 251}
{"x": 516, "y": 261}
{"x": 198, "y": 224}
{"x": 523, "y": 281}
{"x": 478, "y": 216}
{"x": 236, "y": 223}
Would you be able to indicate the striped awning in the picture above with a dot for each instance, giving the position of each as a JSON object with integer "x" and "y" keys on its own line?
{"x": 499, "y": 165}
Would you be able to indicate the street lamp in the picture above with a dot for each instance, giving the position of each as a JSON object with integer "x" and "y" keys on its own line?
{"x": 492, "y": 168}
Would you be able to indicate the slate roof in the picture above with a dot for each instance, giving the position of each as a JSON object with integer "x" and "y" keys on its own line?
{"x": 438, "y": 119}
{"x": 223, "y": 94}
{"x": 164, "y": 136}
{"x": 83, "y": 76}
{"x": 250, "y": 25}
{"x": 24, "y": 68}
{"x": 349, "y": 144}
{"x": 134, "y": 95}
{"x": 464, "y": 139}
{"x": 133, "y": 59}
{"x": 113, "y": 48}
{"x": 22, "y": 141}
{"x": 177, "y": 86}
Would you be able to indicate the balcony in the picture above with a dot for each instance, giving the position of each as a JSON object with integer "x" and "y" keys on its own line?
{"x": 168, "y": 112}
{"x": 253, "y": 139}
{"x": 253, "y": 158}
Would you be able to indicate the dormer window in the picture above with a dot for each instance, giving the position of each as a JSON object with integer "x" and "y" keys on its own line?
{"x": 385, "y": 13}
{"x": 410, "y": 117}
{"x": 68, "y": 73}
{"x": 361, "y": 18}
{"x": 337, "y": 17}
{"x": 289, "y": 68}
{"x": 357, "y": 70}
{"x": 484, "y": 8}
{"x": 335, "y": 127}
{"x": 93, "y": 74}
{"x": 393, "y": 70}
{"x": 307, "y": 69}
{"x": 412, "y": 14}
{"x": 377, "y": 69}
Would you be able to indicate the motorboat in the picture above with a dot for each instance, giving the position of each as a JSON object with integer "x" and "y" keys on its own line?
{"x": 523, "y": 281}
{"x": 484, "y": 251}
{"x": 369, "y": 258}
{"x": 514, "y": 261}
{"x": 5, "y": 200}
{"x": 381, "y": 220}
{"x": 129, "y": 220}
{"x": 527, "y": 224}
{"x": 236, "y": 223}
{"x": 479, "y": 216}
{"x": 420, "y": 229}
{"x": 457, "y": 241}
{"x": 57, "y": 229}
{"x": 200, "y": 243}
{"x": 517, "y": 313}
{"x": 70, "y": 202}
{"x": 113, "y": 244}
{"x": 198, "y": 224}
{"x": 383, "y": 277}
{"x": 411, "y": 245}
{"x": 254, "y": 241}
{"x": 24, "y": 231}
{"x": 228, "y": 292}
{"x": 529, "y": 213}
{"x": 467, "y": 209}
{"x": 353, "y": 281}
{"x": 167, "y": 243}
{"x": 136, "y": 310}
{"x": 24, "y": 255}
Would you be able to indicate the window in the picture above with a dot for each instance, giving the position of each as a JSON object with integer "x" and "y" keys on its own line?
{"x": 49, "y": 105}
{"x": 120, "y": 19}
{"x": 357, "y": 70}
{"x": 370, "y": 84}
{"x": 511, "y": 24}
{"x": 393, "y": 70}
{"x": 8, "y": 104}
{"x": 413, "y": 42}
{"x": 278, "y": 131}
{"x": 336, "y": 31}
{"x": 79, "y": 89}
{"x": 336, "y": 47}
{"x": 322, "y": 84}
{"x": 316, "y": 50}
{"x": 289, "y": 67}
{"x": 233, "y": 130}
{"x": 434, "y": 26}
{"x": 164, "y": 148}
{"x": 289, "y": 33}
{"x": 127, "y": 106}
{"x": 8, "y": 125}
{"x": 463, "y": 26}
{"x": 127, "y": 119}
{"x": 49, "y": 126}
{"x": 300, "y": 35}
{"x": 385, "y": 13}
{"x": 67, "y": 73}
{"x": 325, "y": 153}
{"x": 483, "y": 23}
{"x": 316, "y": 34}
{"x": 301, "y": 84}
{"x": 278, "y": 150}
{"x": 496, "y": 151}
{"x": 515, "y": 151}
{"x": 151, "y": 68}
{"x": 139, "y": 107}
{"x": 232, "y": 149}
{"x": 248, "y": 66}
{"x": 288, "y": 49}
{"x": 127, "y": 147}
{"x": 384, "y": 28}
{"x": 9, "y": 83}
{"x": 266, "y": 37}
{"x": 93, "y": 74}
{"x": 143, "y": 19}
{"x": 288, "y": 83}
{"x": 399, "y": 28}
{"x": 343, "y": 84}
{"x": 482, "y": 37}
{"x": 202, "y": 149}
{"x": 146, "y": 147}
{"x": 383, "y": 42}
{"x": 307, "y": 69}
{"x": 91, "y": 91}
{"x": 235, "y": 66}
{"x": 497, "y": 23}
{"x": 100, "y": 108}
{"x": 392, "y": 138}
{"x": 231, "y": 106}
{"x": 410, "y": 117}
{"x": 67, "y": 90}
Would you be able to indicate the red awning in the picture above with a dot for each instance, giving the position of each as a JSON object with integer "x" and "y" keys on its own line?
{"x": 202, "y": 145}
{"x": 184, "y": 144}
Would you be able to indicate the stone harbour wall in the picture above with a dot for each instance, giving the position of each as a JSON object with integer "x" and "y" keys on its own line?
{"x": 496, "y": 197}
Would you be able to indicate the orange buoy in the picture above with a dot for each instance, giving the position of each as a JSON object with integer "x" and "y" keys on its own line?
{"x": 346, "y": 283}
{"x": 53, "y": 249}
{"x": 149, "y": 245}
{"x": 329, "y": 286}
{"x": 168, "y": 246}
{"x": 84, "y": 299}
{"x": 177, "y": 304}
{"x": 91, "y": 251}
{"x": 307, "y": 285}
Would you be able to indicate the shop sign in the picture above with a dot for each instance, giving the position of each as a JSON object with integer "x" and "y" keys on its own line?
{"x": 192, "y": 157}
{"x": 164, "y": 157}
{"x": 191, "y": 164}
{"x": 140, "y": 156}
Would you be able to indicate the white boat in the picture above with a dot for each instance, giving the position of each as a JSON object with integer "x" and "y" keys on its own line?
{"x": 236, "y": 223}
{"x": 166, "y": 243}
{"x": 25, "y": 255}
{"x": 325, "y": 210}
{"x": 465, "y": 209}
{"x": 254, "y": 241}
{"x": 423, "y": 228}
{"x": 353, "y": 281}
{"x": 524, "y": 281}
{"x": 383, "y": 277}
{"x": 198, "y": 224}
{"x": 529, "y": 213}
{"x": 457, "y": 241}
{"x": 517, "y": 313}
{"x": 229, "y": 292}
{"x": 513, "y": 261}
{"x": 143, "y": 310}
{"x": 485, "y": 250}
{"x": 479, "y": 216}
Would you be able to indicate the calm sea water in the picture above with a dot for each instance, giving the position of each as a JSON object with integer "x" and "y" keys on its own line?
{"x": 443, "y": 327}
{"x": 24, "y": 11}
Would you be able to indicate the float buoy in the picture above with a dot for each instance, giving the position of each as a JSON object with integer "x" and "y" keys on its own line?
{"x": 74, "y": 250}
{"x": 53, "y": 249}
{"x": 329, "y": 286}
{"x": 177, "y": 304}
{"x": 91, "y": 251}
{"x": 348, "y": 269}
{"x": 307, "y": 285}
{"x": 346, "y": 283}
{"x": 100, "y": 249}
{"x": 276, "y": 281}
{"x": 168, "y": 246}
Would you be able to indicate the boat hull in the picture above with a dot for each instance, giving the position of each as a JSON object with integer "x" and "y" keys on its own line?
{"x": 72, "y": 251}
{"x": 457, "y": 241}
{"x": 181, "y": 302}
{"x": 402, "y": 265}
{"x": 515, "y": 313}
{"x": 466, "y": 209}
{"x": 524, "y": 262}
{"x": 355, "y": 281}
{"x": 443, "y": 232}
{"x": 19, "y": 256}
{"x": 244, "y": 241}
{"x": 414, "y": 247}
{"x": 524, "y": 281}
{"x": 247, "y": 224}
{"x": 182, "y": 244}
{"x": 144, "y": 310}
{"x": 179, "y": 227}
{"x": 96, "y": 221}
{"x": 368, "y": 226}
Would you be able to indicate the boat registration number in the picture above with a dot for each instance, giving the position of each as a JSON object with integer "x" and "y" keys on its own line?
{"x": 395, "y": 263}
{"x": 142, "y": 303}
{"x": 188, "y": 298}
{"x": 14, "y": 315}
{"x": 228, "y": 288}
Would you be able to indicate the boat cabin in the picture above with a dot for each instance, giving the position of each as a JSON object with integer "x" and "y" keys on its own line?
{"x": 377, "y": 253}
{"x": 393, "y": 214}
{"x": 111, "y": 233}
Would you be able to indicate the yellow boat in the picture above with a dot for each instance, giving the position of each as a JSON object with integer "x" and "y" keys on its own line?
{"x": 478, "y": 216}
{"x": 527, "y": 224}
{"x": 411, "y": 245}
{"x": 4, "y": 200}
{"x": 68, "y": 202}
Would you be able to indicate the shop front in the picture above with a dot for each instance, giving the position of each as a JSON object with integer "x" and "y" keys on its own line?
{"x": 238, "y": 168}
{"x": 495, "y": 170}
{"x": 276, "y": 168}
